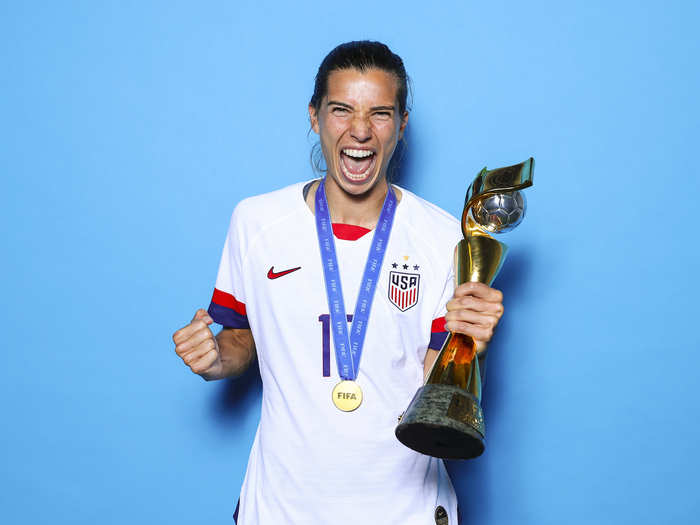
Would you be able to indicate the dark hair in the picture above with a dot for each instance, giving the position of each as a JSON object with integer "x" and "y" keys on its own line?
{"x": 362, "y": 55}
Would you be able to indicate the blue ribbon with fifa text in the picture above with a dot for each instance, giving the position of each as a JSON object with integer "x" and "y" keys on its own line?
{"x": 348, "y": 348}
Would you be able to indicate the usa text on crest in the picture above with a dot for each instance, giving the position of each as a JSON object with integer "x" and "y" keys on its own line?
{"x": 403, "y": 289}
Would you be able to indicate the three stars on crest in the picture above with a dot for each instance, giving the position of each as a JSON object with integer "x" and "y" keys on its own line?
{"x": 405, "y": 266}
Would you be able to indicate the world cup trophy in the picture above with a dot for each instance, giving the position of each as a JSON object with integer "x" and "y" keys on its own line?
{"x": 445, "y": 419}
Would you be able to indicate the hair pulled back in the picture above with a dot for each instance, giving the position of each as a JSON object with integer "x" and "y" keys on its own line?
{"x": 361, "y": 55}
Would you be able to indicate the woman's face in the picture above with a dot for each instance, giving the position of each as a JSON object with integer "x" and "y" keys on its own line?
{"x": 359, "y": 125}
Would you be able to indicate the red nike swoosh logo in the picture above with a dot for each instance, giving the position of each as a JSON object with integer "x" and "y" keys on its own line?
{"x": 271, "y": 274}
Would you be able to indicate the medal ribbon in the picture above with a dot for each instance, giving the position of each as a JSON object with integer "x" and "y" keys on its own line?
{"x": 348, "y": 348}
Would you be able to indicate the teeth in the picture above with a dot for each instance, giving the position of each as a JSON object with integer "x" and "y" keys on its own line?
{"x": 357, "y": 153}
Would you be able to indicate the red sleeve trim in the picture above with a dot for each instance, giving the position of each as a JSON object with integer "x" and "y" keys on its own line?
{"x": 229, "y": 301}
{"x": 438, "y": 325}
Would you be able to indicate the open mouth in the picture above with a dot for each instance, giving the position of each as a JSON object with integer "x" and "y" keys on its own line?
{"x": 357, "y": 164}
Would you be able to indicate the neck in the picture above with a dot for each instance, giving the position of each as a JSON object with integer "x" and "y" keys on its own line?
{"x": 360, "y": 210}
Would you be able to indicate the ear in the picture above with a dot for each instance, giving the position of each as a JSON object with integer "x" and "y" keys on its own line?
{"x": 313, "y": 117}
{"x": 402, "y": 126}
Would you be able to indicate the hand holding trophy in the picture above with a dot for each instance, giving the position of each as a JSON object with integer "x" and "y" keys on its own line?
{"x": 445, "y": 419}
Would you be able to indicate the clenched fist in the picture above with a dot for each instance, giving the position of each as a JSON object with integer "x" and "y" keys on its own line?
{"x": 198, "y": 348}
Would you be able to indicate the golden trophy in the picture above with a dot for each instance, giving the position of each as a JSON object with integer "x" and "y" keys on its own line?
{"x": 445, "y": 419}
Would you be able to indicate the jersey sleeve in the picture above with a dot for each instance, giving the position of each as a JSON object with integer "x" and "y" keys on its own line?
{"x": 227, "y": 305}
{"x": 438, "y": 334}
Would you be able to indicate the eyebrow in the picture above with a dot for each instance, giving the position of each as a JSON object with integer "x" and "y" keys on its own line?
{"x": 336, "y": 103}
{"x": 375, "y": 108}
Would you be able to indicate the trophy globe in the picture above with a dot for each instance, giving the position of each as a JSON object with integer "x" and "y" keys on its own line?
{"x": 500, "y": 212}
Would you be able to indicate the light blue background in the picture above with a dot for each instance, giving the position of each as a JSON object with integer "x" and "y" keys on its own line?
{"x": 130, "y": 130}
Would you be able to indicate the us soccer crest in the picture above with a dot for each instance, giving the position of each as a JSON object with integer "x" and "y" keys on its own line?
{"x": 403, "y": 289}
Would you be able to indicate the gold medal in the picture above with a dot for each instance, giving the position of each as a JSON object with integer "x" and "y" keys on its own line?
{"x": 347, "y": 396}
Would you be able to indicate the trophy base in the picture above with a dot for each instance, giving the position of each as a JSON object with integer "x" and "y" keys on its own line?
{"x": 443, "y": 421}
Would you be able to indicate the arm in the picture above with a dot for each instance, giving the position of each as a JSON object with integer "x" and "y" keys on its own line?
{"x": 227, "y": 355}
{"x": 237, "y": 350}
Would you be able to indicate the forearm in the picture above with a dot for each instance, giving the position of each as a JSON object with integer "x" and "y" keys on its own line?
{"x": 237, "y": 351}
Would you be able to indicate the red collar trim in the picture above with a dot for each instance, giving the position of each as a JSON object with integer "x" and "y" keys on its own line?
{"x": 349, "y": 232}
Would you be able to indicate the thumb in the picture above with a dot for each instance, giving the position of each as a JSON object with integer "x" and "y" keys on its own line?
{"x": 203, "y": 315}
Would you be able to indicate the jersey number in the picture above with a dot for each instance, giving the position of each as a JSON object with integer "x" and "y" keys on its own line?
{"x": 325, "y": 321}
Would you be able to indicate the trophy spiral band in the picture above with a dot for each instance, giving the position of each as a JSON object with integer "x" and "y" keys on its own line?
{"x": 445, "y": 419}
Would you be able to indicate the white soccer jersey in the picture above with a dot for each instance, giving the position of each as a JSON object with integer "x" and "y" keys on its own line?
{"x": 311, "y": 463}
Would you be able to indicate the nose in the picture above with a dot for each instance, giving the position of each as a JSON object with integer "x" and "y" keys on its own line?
{"x": 360, "y": 128}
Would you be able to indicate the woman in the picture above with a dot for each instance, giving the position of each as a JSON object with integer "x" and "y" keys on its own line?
{"x": 325, "y": 450}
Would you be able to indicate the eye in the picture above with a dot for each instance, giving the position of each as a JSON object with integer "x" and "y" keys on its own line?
{"x": 382, "y": 115}
{"x": 339, "y": 110}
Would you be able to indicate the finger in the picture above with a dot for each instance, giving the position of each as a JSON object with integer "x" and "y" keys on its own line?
{"x": 196, "y": 353}
{"x": 194, "y": 341}
{"x": 480, "y": 290}
{"x": 203, "y": 315}
{"x": 183, "y": 334}
{"x": 474, "y": 303}
{"x": 204, "y": 363}
{"x": 479, "y": 333}
{"x": 469, "y": 316}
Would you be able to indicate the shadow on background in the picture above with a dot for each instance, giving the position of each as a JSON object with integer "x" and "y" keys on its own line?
{"x": 237, "y": 397}
{"x": 402, "y": 172}
{"x": 473, "y": 478}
